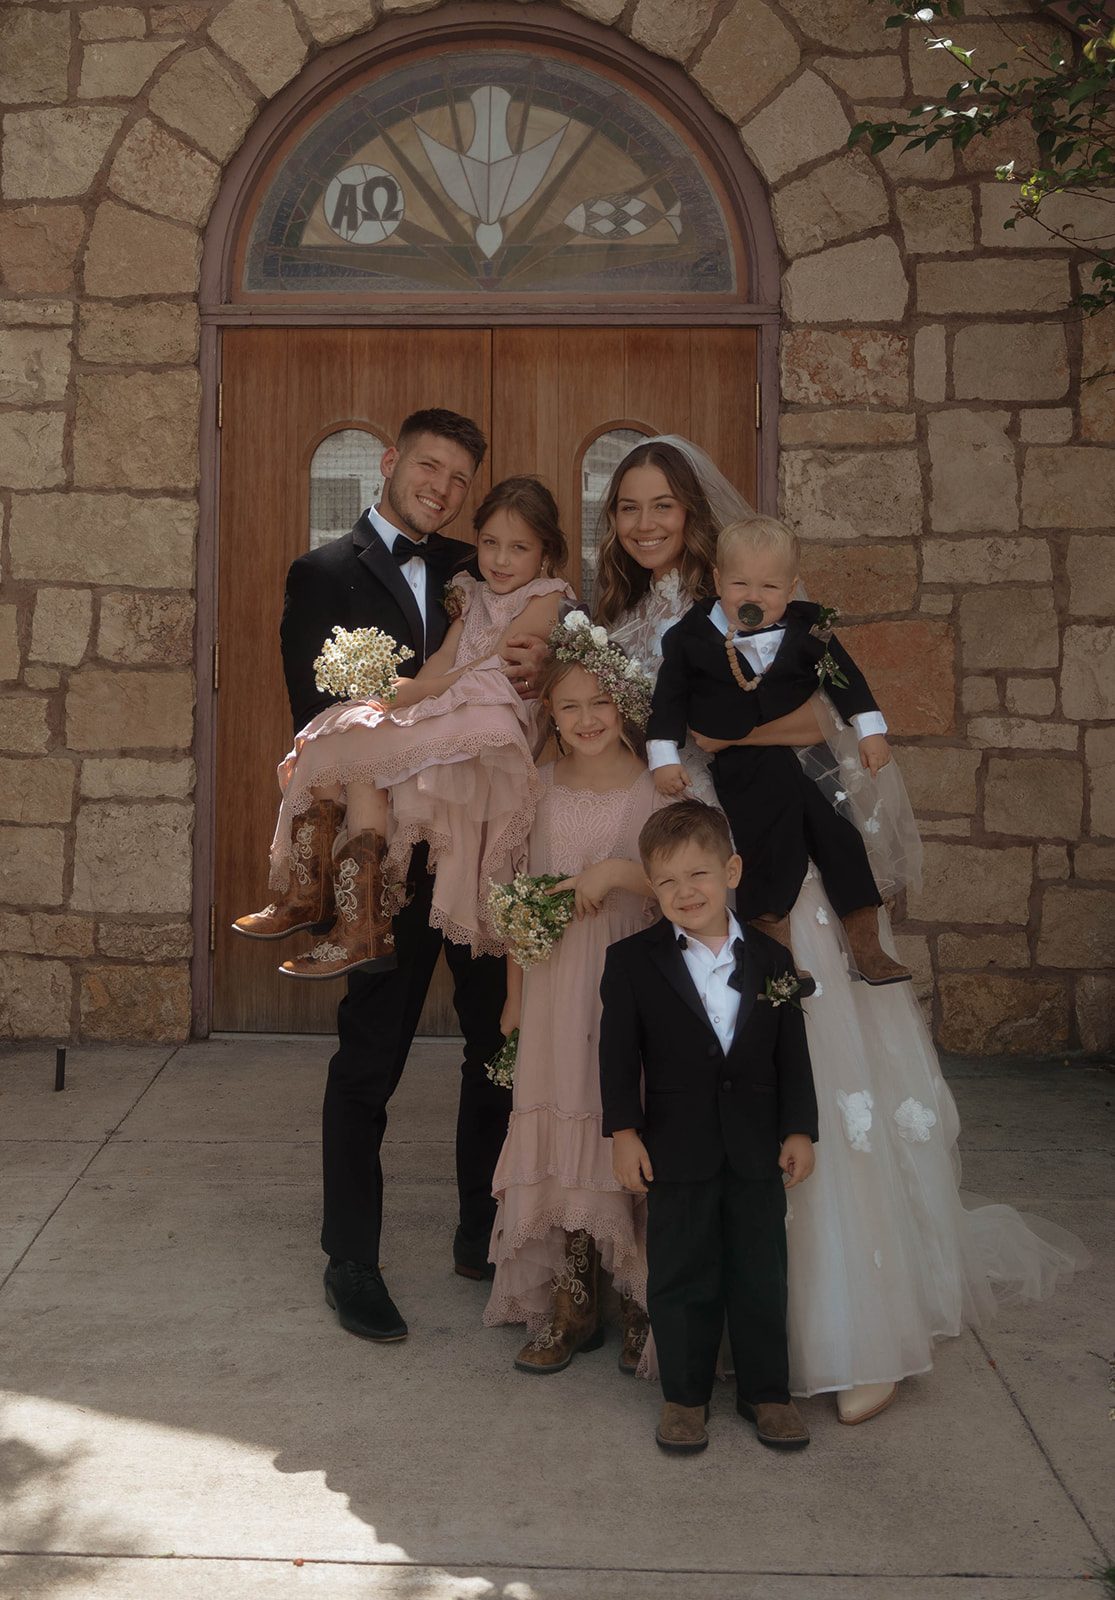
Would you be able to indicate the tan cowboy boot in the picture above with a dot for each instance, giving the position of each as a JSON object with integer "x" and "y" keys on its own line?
{"x": 574, "y": 1311}
{"x": 778, "y": 929}
{"x": 635, "y": 1325}
{"x": 308, "y": 901}
{"x": 362, "y": 938}
{"x": 871, "y": 961}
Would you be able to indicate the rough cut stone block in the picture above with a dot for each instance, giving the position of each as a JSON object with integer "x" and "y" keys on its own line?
{"x": 137, "y": 629}
{"x": 9, "y": 643}
{"x": 122, "y": 710}
{"x": 130, "y": 941}
{"x": 138, "y": 431}
{"x": 1009, "y": 628}
{"x": 1088, "y": 674}
{"x": 606, "y": 11}
{"x": 980, "y": 694}
{"x": 749, "y": 56}
{"x": 939, "y": 778}
{"x": 852, "y": 494}
{"x": 1084, "y": 216}
{"x": 1077, "y": 927}
{"x": 36, "y": 789}
{"x": 155, "y": 170}
{"x": 1097, "y": 395}
{"x": 843, "y": 197}
{"x": 38, "y": 247}
{"x": 1010, "y": 361}
{"x": 111, "y": 22}
{"x": 260, "y": 36}
{"x": 967, "y": 950}
{"x": 31, "y": 448}
{"x": 984, "y": 1014}
{"x": 1015, "y": 733}
{"x": 125, "y": 540}
{"x": 912, "y": 950}
{"x": 975, "y": 483}
{"x": 929, "y": 364}
{"x": 860, "y": 282}
{"x": 1031, "y": 697}
{"x": 974, "y": 561}
{"x": 1052, "y": 861}
{"x": 865, "y": 78}
{"x": 1099, "y": 750}
{"x": 1014, "y": 141}
{"x": 133, "y": 1003}
{"x": 23, "y": 723}
{"x": 805, "y": 123}
{"x": 1095, "y": 1012}
{"x": 158, "y": 334}
{"x": 933, "y": 72}
{"x": 329, "y": 21}
{"x": 846, "y": 427}
{"x": 32, "y": 861}
{"x": 1068, "y": 487}
{"x": 130, "y": 253}
{"x": 60, "y": 632}
{"x": 30, "y": 312}
{"x": 945, "y": 827}
{"x": 34, "y": 366}
{"x": 908, "y": 166}
{"x": 1091, "y": 569}
{"x": 128, "y": 778}
{"x": 1094, "y": 861}
{"x": 1035, "y": 797}
{"x": 671, "y": 30}
{"x": 177, "y": 21}
{"x": 842, "y": 25}
{"x": 199, "y": 98}
{"x": 821, "y": 367}
{"x": 133, "y": 859}
{"x": 966, "y": 883}
{"x": 34, "y": 57}
{"x": 910, "y": 668}
{"x": 46, "y": 933}
{"x": 862, "y": 580}
{"x": 34, "y": 998}
{"x": 119, "y": 71}
{"x": 935, "y": 221}
{"x": 1046, "y": 426}
{"x": 56, "y": 154}
{"x": 975, "y": 287}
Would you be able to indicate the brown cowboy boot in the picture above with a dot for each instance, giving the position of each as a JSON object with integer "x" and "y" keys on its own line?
{"x": 574, "y": 1311}
{"x": 778, "y": 929}
{"x": 635, "y": 1325}
{"x": 362, "y": 938}
{"x": 308, "y": 901}
{"x": 871, "y": 961}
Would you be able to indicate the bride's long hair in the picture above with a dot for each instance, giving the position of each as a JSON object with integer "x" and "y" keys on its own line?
{"x": 620, "y": 580}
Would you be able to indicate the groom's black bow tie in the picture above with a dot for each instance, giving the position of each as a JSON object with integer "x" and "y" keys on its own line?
{"x": 405, "y": 549}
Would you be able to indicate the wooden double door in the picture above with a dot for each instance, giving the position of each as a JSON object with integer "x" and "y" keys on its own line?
{"x": 543, "y": 397}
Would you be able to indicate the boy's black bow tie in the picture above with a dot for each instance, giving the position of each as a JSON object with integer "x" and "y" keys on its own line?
{"x": 736, "y": 980}
{"x": 405, "y": 549}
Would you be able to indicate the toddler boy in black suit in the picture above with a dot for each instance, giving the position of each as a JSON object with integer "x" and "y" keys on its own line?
{"x": 705, "y": 1021}
{"x": 722, "y": 677}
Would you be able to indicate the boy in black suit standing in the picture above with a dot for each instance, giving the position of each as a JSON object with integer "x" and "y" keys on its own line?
{"x": 747, "y": 657}
{"x": 706, "y": 1021}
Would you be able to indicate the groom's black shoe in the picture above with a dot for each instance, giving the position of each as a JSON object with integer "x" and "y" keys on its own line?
{"x": 470, "y": 1257}
{"x": 359, "y": 1296}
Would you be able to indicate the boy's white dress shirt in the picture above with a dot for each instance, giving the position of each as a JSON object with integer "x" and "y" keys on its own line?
{"x": 710, "y": 974}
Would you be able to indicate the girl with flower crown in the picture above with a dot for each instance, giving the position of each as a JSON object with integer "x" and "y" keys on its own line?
{"x": 448, "y": 760}
{"x": 883, "y": 1258}
{"x": 562, "y": 1218}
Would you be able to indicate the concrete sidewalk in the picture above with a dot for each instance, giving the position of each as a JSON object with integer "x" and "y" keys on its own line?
{"x": 183, "y": 1418}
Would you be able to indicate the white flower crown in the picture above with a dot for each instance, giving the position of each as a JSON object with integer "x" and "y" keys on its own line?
{"x": 575, "y": 638}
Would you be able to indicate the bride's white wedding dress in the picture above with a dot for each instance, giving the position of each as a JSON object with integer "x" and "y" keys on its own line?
{"x": 883, "y": 1256}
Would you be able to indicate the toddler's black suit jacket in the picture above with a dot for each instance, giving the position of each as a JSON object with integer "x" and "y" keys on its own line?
{"x": 696, "y": 687}
{"x": 702, "y": 1106}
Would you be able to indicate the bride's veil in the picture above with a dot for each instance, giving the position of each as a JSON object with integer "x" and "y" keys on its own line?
{"x": 728, "y": 505}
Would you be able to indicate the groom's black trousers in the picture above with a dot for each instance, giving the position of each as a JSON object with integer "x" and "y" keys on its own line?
{"x": 375, "y": 1028}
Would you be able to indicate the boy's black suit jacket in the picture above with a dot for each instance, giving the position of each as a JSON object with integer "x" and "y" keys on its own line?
{"x": 696, "y": 688}
{"x": 355, "y": 581}
{"x": 702, "y": 1106}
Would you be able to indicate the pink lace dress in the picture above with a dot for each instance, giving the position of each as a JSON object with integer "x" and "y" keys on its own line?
{"x": 555, "y": 1170}
{"x": 459, "y": 765}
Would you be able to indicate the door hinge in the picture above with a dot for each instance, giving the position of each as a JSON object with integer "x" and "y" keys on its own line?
{"x": 220, "y": 405}
{"x": 758, "y": 408}
{"x": 216, "y": 666}
{"x": 212, "y": 930}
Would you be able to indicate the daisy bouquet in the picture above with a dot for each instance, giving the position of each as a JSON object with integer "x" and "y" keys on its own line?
{"x": 528, "y": 917}
{"x": 360, "y": 664}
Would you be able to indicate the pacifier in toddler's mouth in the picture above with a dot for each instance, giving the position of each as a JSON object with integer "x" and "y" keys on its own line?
{"x": 750, "y": 615}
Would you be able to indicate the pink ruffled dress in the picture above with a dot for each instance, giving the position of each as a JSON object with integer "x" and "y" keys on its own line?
{"x": 459, "y": 765}
{"x": 555, "y": 1170}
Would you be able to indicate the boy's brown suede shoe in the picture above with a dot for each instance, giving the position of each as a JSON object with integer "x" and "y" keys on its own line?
{"x": 779, "y": 1426}
{"x": 682, "y": 1428}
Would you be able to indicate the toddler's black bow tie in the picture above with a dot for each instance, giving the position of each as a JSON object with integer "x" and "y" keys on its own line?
{"x": 405, "y": 549}
{"x": 771, "y": 627}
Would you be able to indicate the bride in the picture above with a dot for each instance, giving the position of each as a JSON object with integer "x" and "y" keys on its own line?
{"x": 883, "y": 1257}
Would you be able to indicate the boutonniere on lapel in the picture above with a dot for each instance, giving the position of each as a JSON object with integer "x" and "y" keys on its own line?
{"x": 783, "y": 991}
{"x": 827, "y": 669}
{"x": 453, "y": 601}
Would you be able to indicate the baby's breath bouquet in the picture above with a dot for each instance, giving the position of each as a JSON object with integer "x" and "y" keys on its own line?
{"x": 360, "y": 665}
{"x": 528, "y": 917}
{"x": 501, "y": 1068}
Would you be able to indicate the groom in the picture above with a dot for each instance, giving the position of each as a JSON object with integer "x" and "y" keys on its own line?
{"x": 390, "y": 572}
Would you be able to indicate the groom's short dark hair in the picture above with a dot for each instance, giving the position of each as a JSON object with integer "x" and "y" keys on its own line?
{"x": 667, "y": 830}
{"x": 444, "y": 425}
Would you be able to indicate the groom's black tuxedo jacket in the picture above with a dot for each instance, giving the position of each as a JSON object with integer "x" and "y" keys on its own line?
{"x": 355, "y": 581}
{"x": 702, "y": 1106}
{"x": 696, "y": 688}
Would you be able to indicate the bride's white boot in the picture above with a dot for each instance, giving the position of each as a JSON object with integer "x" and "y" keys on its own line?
{"x": 865, "y": 1400}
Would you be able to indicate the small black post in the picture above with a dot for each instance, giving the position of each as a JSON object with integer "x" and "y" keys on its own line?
{"x": 59, "y": 1068}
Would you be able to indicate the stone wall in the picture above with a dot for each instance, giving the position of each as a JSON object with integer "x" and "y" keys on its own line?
{"x": 948, "y": 464}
